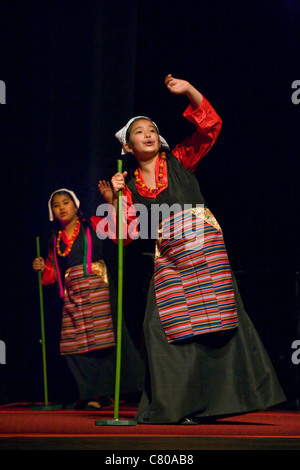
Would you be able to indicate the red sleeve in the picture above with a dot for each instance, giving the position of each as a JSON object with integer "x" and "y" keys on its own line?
{"x": 193, "y": 148}
{"x": 48, "y": 276}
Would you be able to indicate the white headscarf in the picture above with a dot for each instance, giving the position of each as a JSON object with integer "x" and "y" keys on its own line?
{"x": 121, "y": 134}
{"x": 77, "y": 202}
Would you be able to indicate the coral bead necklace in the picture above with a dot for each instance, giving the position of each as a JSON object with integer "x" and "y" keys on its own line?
{"x": 138, "y": 180}
{"x": 70, "y": 244}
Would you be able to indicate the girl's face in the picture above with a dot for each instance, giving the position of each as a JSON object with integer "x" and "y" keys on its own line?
{"x": 63, "y": 208}
{"x": 143, "y": 140}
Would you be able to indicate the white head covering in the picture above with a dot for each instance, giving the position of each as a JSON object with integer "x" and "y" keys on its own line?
{"x": 77, "y": 202}
{"x": 121, "y": 134}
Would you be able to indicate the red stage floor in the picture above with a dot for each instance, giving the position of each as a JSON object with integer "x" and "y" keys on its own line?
{"x": 23, "y": 427}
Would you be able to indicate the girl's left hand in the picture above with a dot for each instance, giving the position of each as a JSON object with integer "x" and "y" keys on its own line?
{"x": 106, "y": 191}
{"x": 176, "y": 85}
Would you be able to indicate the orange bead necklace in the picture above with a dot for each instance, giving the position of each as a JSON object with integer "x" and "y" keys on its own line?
{"x": 70, "y": 244}
{"x": 138, "y": 180}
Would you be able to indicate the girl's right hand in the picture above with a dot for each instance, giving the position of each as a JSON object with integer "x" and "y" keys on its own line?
{"x": 38, "y": 264}
{"x": 118, "y": 182}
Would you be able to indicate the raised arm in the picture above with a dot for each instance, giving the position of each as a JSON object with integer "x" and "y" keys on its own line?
{"x": 201, "y": 113}
{"x": 183, "y": 87}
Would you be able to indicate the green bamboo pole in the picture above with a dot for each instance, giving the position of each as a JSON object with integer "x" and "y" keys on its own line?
{"x": 120, "y": 300}
{"x": 43, "y": 340}
{"x": 116, "y": 420}
{"x": 46, "y": 406}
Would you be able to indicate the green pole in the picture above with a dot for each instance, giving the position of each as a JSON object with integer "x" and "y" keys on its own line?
{"x": 116, "y": 421}
{"x": 120, "y": 299}
{"x": 43, "y": 341}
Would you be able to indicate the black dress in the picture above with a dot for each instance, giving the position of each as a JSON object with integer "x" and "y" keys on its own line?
{"x": 208, "y": 375}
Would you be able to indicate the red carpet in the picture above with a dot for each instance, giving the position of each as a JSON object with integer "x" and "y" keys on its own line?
{"x": 22, "y": 421}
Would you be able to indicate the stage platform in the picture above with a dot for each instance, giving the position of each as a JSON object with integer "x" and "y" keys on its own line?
{"x": 23, "y": 427}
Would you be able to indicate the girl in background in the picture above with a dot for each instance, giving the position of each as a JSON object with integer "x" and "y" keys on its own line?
{"x": 75, "y": 261}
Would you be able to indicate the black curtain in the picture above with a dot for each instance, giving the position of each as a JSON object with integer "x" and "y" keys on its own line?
{"x": 75, "y": 72}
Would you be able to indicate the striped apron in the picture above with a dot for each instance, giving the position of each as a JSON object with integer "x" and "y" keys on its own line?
{"x": 87, "y": 321}
{"x": 192, "y": 276}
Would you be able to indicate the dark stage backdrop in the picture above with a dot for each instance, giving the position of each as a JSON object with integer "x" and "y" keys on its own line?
{"x": 75, "y": 72}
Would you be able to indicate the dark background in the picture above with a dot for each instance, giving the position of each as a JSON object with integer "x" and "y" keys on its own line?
{"x": 75, "y": 72}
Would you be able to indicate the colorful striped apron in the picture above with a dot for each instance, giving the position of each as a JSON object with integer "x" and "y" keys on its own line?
{"x": 87, "y": 321}
{"x": 192, "y": 276}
